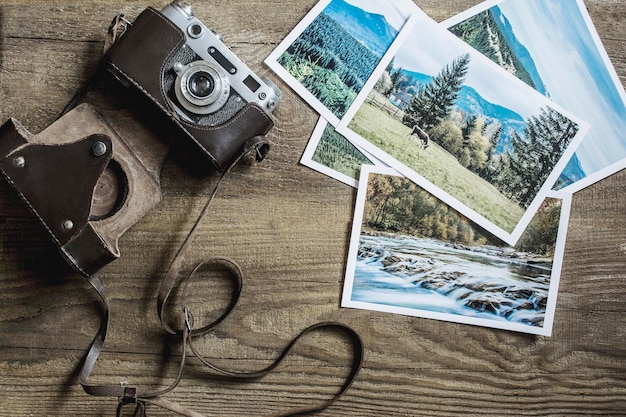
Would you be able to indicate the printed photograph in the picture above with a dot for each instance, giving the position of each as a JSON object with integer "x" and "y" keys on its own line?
{"x": 332, "y": 53}
{"x": 553, "y": 47}
{"x": 475, "y": 136}
{"x": 412, "y": 254}
{"x": 333, "y": 155}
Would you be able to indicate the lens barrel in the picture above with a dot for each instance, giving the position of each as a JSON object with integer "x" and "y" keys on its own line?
{"x": 201, "y": 84}
{"x": 201, "y": 87}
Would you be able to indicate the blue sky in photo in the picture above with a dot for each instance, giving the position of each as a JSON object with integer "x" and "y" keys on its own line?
{"x": 427, "y": 53}
{"x": 574, "y": 72}
{"x": 395, "y": 11}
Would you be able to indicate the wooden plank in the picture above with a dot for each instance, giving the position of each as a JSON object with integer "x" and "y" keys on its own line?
{"x": 288, "y": 227}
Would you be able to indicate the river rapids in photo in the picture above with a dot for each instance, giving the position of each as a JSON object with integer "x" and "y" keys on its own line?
{"x": 480, "y": 282}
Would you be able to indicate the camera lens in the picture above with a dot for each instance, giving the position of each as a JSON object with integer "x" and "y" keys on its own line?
{"x": 200, "y": 87}
{"x": 201, "y": 84}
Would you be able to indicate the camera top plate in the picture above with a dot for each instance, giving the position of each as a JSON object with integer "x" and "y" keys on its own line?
{"x": 209, "y": 46}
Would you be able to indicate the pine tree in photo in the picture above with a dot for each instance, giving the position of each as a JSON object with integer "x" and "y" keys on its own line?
{"x": 435, "y": 101}
{"x": 468, "y": 127}
{"x": 536, "y": 153}
{"x": 396, "y": 79}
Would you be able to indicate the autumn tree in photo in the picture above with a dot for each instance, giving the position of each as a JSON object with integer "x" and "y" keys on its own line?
{"x": 396, "y": 204}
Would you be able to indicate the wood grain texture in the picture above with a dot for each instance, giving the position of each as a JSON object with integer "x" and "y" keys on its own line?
{"x": 288, "y": 227}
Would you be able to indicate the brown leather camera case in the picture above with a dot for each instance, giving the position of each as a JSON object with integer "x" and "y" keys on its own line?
{"x": 58, "y": 171}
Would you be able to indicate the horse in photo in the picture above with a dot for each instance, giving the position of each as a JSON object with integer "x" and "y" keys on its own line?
{"x": 419, "y": 132}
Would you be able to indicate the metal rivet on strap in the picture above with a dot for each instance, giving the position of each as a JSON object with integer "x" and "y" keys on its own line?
{"x": 68, "y": 225}
{"x": 99, "y": 148}
{"x": 19, "y": 161}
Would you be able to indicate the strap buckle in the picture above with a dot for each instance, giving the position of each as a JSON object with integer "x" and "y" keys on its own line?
{"x": 140, "y": 409}
{"x": 130, "y": 396}
{"x": 119, "y": 26}
{"x": 188, "y": 319}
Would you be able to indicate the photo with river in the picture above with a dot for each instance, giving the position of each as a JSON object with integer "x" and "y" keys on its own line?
{"x": 431, "y": 262}
{"x": 429, "y": 275}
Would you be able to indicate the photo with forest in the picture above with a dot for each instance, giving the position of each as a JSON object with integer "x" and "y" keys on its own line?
{"x": 334, "y": 151}
{"x": 397, "y": 205}
{"x": 483, "y": 32}
{"x": 552, "y": 46}
{"x": 482, "y": 152}
{"x": 337, "y": 53}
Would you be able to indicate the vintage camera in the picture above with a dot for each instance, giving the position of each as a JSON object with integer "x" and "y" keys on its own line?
{"x": 92, "y": 174}
{"x": 212, "y": 98}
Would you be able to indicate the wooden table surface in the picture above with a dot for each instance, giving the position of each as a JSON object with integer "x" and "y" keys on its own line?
{"x": 288, "y": 227}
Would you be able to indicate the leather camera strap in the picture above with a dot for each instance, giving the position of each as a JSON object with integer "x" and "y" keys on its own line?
{"x": 132, "y": 395}
{"x": 138, "y": 397}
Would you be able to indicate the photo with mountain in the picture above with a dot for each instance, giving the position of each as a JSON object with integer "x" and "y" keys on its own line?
{"x": 553, "y": 47}
{"x": 469, "y": 101}
{"x": 491, "y": 34}
{"x": 335, "y": 54}
{"x": 441, "y": 112}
